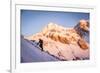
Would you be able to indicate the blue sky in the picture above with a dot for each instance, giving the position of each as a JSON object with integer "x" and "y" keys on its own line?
{"x": 33, "y": 21}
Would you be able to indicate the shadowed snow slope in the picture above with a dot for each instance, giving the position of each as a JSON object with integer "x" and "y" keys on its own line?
{"x": 30, "y": 53}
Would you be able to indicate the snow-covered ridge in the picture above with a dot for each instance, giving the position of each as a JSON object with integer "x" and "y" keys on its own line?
{"x": 63, "y": 43}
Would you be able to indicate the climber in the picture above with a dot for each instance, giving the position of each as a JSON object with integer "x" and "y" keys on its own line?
{"x": 41, "y": 44}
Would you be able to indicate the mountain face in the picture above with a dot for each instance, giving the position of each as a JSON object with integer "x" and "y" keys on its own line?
{"x": 82, "y": 29}
{"x": 63, "y": 42}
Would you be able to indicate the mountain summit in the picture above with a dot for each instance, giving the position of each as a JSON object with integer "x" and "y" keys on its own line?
{"x": 63, "y": 42}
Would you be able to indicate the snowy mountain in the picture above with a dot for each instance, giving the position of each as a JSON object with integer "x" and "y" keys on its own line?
{"x": 60, "y": 42}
